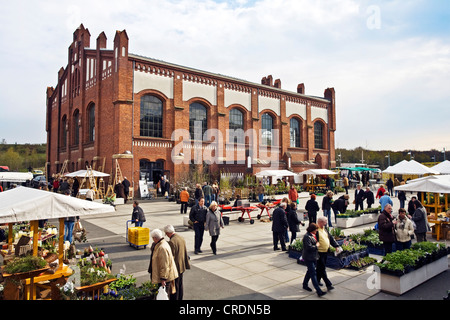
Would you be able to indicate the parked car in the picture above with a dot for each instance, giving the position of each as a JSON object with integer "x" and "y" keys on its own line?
{"x": 39, "y": 181}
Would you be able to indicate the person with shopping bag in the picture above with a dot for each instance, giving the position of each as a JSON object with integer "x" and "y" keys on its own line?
{"x": 162, "y": 268}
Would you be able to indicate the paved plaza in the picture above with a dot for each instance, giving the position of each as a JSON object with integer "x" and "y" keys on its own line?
{"x": 246, "y": 267}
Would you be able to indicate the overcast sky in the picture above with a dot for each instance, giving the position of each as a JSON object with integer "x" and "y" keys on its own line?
{"x": 388, "y": 60}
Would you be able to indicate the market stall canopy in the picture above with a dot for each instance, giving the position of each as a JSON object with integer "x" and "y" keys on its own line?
{"x": 27, "y": 204}
{"x": 318, "y": 172}
{"x": 15, "y": 176}
{"x": 359, "y": 169}
{"x": 83, "y": 173}
{"x": 410, "y": 167}
{"x": 276, "y": 173}
{"x": 443, "y": 167}
{"x": 432, "y": 184}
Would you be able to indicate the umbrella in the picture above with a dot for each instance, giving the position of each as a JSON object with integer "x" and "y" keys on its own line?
{"x": 83, "y": 173}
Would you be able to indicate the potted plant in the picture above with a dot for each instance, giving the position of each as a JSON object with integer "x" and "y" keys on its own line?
{"x": 296, "y": 249}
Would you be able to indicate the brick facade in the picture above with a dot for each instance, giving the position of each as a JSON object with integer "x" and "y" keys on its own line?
{"x": 113, "y": 83}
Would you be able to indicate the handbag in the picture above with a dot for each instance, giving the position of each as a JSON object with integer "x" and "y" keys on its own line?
{"x": 162, "y": 294}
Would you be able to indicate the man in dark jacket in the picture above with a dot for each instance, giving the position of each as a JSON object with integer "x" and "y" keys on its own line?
{"x": 339, "y": 206}
{"x": 359, "y": 198}
{"x": 386, "y": 225}
{"x": 370, "y": 198}
{"x": 138, "y": 216}
{"x": 198, "y": 217}
{"x": 279, "y": 226}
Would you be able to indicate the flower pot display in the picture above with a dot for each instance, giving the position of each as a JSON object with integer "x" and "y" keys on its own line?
{"x": 352, "y": 218}
{"x": 401, "y": 271}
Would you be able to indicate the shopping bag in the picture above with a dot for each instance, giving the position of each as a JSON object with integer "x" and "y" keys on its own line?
{"x": 162, "y": 294}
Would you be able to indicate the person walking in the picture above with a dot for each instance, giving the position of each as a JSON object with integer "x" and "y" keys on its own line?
{"x": 184, "y": 199}
{"x": 213, "y": 224}
{"x": 420, "y": 219}
{"x": 279, "y": 226}
{"x": 384, "y": 200}
{"x": 401, "y": 195}
{"x": 293, "y": 194}
{"x": 310, "y": 256}
{"x": 207, "y": 194}
{"x": 198, "y": 193}
{"x": 368, "y": 195}
{"x": 126, "y": 188}
{"x": 69, "y": 223}
{"x": 345, "y": 182}
{"x": 293, "y": 221}
{"x": 326, "y": 241}
{"x": 380, "y": 192}
{"x": 162, "y": 268}
{"x": 198, "y": 217}
{"x": 404, "y": 229}
{"x": 327, "y": 201}
{"x": 359, "y": 198}
{"x": 312, "y": 207}
{"x": 260, "y": 190}
{"x": 179, "y": 252}
{"x": 390, "y": 186}
{"x": 137, "y": 216}
{"x": 386, "y": 225}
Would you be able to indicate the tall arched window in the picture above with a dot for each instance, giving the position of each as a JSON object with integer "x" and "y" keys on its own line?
{"x": 318, "y": 135}
{"x": 151, "y": 124}
{"x": 64, "y": 131}
{"x": 91, "y": 122}
{"x": 295, "y": 133}
{"x": 267, "y": 128}
{"x": 197, "y": 117}
{"x": 75, "y": 126}
{"x": 236, "y": 123}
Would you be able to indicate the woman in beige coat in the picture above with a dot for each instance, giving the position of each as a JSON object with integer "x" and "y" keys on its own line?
{"x": 213, "y": 223}
{"x": 404, "y": 229}
{"x": 162, "y": 268}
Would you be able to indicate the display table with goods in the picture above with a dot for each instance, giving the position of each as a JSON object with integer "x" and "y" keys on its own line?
{"x": 404, "y": 270}
{"x": 352, "y": 218}
{"x": 441, "y": 226}
{"x": 37, "y": 258}
{"x": 371, "y": 239}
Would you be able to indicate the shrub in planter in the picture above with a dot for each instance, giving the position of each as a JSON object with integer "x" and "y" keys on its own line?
{"x": 25, "y": 264}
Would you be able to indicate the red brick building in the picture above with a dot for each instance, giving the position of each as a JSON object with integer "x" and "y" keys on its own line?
{"x": 108, "y": 102}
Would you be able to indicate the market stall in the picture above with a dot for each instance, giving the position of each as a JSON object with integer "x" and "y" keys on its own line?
{"x": 311, "y": 185}
{"x": 431, "y": 189}
{"x": 27, "y": 204}
{"x": 443, "y": 167}
{"x": 410, "y": 169}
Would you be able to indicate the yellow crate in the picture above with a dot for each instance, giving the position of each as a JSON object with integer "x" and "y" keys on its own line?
{"x": 139, "y": 236}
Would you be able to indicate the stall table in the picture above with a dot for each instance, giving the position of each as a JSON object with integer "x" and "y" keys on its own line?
{"x": 438, "y": 226}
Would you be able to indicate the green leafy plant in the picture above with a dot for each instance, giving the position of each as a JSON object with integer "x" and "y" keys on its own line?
{"x": 297, "y": 245}
{"x": 25, "y": 264}
{"x": 123, "y": 281}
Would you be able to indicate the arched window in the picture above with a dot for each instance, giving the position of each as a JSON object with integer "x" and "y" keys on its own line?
{"x": 75, "y": 126}
{"x": 295, "y": 133}
{"x": 267, "y": 128}
{"x": 151, "y": 124}
{"x": 236, "y": 123}
{"x": 197, "y": 117}
{"x": 318, "y": 135}
{"x": 64, "y": 132}
{"x": 91, "y": 122}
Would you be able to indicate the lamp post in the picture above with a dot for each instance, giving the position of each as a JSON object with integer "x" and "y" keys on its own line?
{"x": 389, "y": 159}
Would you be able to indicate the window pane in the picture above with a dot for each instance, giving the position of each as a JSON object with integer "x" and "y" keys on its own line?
{"x": 151, "y": 117}
{"x": 267, "y": 128}
{"x": 91, "y": 119}
{"x": 236, "y": 123}
{"x": 197, "y": 116}
{"x": 295, "y": 133}
{"x": 76, "y": 131}
{"x": 318, "y": 135}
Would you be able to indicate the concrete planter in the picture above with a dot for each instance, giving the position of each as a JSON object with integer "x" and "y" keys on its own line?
{"x": 345, "y": 223}
{"x": 399, "y": 285}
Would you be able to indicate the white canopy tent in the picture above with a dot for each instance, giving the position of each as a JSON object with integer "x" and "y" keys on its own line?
{"x": 28, "y": 204}
{"x": 443, "y": 167}
{"x": 277, "y": 174}
{"x": 83, "y": 173}
{"x": 432, "y": 184}
{"x": 410, "y": 167}
{"x": 318, "y": 172}
{"x": 15, "y": 176}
